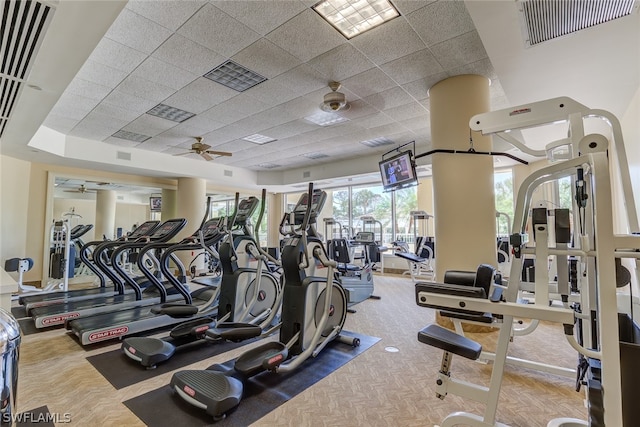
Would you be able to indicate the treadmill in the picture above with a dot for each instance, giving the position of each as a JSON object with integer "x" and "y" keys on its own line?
{"x": 53, "y": 315}
{"x": 107, "y": 326}
{"x": 40, "y": 300}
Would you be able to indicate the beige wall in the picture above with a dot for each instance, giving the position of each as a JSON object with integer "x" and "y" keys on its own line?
{"x": 14, "y": 200}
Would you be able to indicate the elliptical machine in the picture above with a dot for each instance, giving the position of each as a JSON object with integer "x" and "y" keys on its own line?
{"x": 313, "y": 313}
{"x": 245, "y": 294}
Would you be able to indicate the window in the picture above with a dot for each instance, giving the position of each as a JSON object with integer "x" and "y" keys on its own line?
{"x": 503, "y": 188}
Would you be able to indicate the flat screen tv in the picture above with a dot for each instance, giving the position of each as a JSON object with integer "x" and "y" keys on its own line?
{"x": 155, "y": 204}
{"x": 398, "y": 171}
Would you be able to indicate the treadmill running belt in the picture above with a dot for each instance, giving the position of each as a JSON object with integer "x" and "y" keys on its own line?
{"x": 262, "y": 393}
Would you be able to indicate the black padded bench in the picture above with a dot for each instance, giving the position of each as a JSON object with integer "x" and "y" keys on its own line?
{"x": 442, "y": 338}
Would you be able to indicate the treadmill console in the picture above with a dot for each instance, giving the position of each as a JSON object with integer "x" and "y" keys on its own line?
{"x": 144, "y": 229}
{"x": 168, "y": 230}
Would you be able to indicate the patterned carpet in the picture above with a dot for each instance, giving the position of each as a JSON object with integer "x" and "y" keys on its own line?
{"x": 378, "y": 388}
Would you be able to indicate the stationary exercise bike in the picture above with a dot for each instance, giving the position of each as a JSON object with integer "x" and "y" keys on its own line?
{"x": 313, "y": 314}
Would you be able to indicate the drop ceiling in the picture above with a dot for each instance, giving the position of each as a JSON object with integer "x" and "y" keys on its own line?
{"x": 132, "y": 57}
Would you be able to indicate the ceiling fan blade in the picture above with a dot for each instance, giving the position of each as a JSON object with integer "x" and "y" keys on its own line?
{"x": 206, "y": 156}
{"x": 220, "y": 153}
{"x": 183, "y": 154}
{"x": 204, "y": 147}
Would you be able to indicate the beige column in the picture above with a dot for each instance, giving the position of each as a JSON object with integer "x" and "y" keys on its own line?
{"x": 169, "y": 204}
{"x": 274, "y": 216}
{"x": 105, "y": 214}
{"x": 464, "y": 206}
{"x": 191, "y": 200}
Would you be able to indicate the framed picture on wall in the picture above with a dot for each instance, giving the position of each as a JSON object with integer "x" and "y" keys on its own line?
{"x": 155, "y": 204}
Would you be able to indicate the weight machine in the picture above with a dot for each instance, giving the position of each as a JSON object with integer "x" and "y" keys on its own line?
{"x": 591, "y": 162}
{"x": 420, "y": 261}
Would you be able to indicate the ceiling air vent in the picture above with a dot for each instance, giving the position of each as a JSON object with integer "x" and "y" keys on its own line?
{"x": 548, "y": 19}
{"x": 228, "y": 172}
{"x": 22, "y": 28}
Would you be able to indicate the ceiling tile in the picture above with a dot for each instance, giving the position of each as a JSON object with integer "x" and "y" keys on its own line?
{"x": 306, "y": 36}
{"x": 127, "y": 101}
{"x": 291, "y": 128}
{"x": 149, "y": 125}
{"x": 481, "y": 68}
{"x": 144, "y": 88}
{"x": 407, "y": 6}
{"x": 111, "y": 111}
{"x": 88, "y": 89}
{"x": 137, "y": 32}
{"x": 187, "y": 101}
{"x": 100, "y": 74}
{"x": 416, "y": 119}
{"x": 302, "y": 80}
{"x": 74, "y": 106}
{"x": 213, "y": 28}
{"x": 116, "y": 55}
{"x": 441, "y": 21}
{"x": 376, "y": 119}
{"x": 270, "y": 91}
{"x": 412, "y": 67}
{"x": 163, "y": 73}
{"x": 207, "y": 89}
{"x": 188, "y": 55}
{"x": 392, "y": 40}
{"x": 406, "y": 111}
{"x": 97, "y": 119}
{"x": 60, "y": 123}
{"x": 169, "y": 14}
{"x": 368, "y": 82}
{"x": 302, "y": 106}
{"x": 459, "y": 51}
{"x": 389, "y": 98}
{"x": 218, "y": 114}
{"x": 245, "y": 104}
{"x": 95, "y": 133}
{"x": 341, "y": 62}
{"x": 419, "y": 89}
{"x": 266, "y": 59}
{"x": 262, "y": 17}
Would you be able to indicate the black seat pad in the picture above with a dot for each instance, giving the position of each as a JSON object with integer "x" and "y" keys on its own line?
{"x": 437, "y": 336}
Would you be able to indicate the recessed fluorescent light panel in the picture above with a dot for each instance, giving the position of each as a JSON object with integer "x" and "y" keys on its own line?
{"x": 170, "y": 113}
{"x": 545, "y": 20}
{"x": 315, "y": 156}
{"x": 354, "y": 17}
{"x": 268, "y": 165}
{"x": 377, "y": 142}
{"x": 234, "y": 76}
{"x": 131, "y": 136}
{"x": 256, "y": 138}
{"x": 322, "y": 118}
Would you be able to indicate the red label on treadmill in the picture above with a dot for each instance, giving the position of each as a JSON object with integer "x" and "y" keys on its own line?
{"x": 109, "y": 333}
{"x": 202, "y": 329}
{"x": 59, "y": 320}
{"x": 132, "y": 350}
{"x": 191, "y": 392}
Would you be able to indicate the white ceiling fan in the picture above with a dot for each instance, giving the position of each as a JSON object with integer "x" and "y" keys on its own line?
{"x": 335, "y": 101}
{"x": 202, "y": 149}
